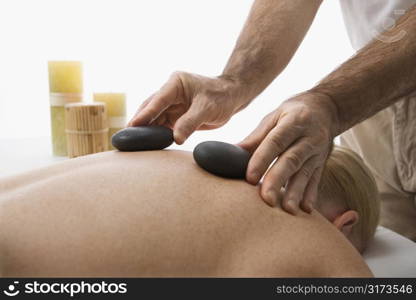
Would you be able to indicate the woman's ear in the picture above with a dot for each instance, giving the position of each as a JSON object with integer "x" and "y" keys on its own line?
{"x": 345, "y": 221}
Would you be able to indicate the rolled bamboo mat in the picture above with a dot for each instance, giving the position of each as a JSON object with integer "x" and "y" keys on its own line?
{"x": 86, "y": 128}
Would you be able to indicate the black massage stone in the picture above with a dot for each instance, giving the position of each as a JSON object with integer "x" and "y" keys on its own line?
{"x": 222, "y": 159}
{"x": 142, "y": 138}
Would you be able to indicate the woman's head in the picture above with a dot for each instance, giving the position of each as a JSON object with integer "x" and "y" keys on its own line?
{"x": 348, "y": 196}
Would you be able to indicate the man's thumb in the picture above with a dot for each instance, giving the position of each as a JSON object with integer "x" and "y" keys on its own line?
{"x": 187, "y": 124}
{"x": 253, "y": 140}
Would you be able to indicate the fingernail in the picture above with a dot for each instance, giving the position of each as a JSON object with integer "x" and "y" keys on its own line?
{"x": 241, "y": 145}
{"x": 310, "y": 206}
{"x": 307, "y": 208}
{"x": 271, "y": 197}
{"x": 292, "y": 204}
{"x": 178, "y": 138}
{"x": 253, "y": 177}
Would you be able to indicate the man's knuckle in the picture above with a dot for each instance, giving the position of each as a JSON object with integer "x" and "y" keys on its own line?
{"x": 293, "y": 160}
{"x": 323, "y": 134}
{"x": 308, "y": 147}
{"x": 277, "y": 142}
{"x": 177, "y": 74}
{"x": 304, "y": 117}
{"x": 306, "y": 172}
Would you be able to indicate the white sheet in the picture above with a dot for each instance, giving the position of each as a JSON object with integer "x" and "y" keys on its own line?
{"x": 391, "y": 255}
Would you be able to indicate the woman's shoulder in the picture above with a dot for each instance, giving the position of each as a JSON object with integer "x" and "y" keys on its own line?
{"x": 282, "y": 245}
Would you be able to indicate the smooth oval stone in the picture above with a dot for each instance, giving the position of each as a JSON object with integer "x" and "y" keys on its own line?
{"x": 222, "y": 159}
{"x": 142, "y": 138}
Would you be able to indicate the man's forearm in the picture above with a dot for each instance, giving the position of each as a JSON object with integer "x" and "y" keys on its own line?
{"x": 380, "y": 74}
{"x": 270, "y": 37}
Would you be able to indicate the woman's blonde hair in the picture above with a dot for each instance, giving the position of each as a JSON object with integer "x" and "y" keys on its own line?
{"x": 348, "y": 181}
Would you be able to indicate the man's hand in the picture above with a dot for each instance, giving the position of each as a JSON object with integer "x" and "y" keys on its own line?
{"x": 270, "y": 37}
{"x": 189, "y": 102}
{"x": 299, "y": 134}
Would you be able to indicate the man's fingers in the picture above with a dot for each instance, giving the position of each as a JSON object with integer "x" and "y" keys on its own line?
{"x": 141, "y": 107}
{"x": 189, "y": 122}
{"x": 168, "y": 95}
{"x": 161, "y": 120}
{"x": 275, "y": 143}
{"x": 311, "y": 192}
{"x": 157, "y": 105}
{"x": 208, "y": 127}
{"x": 296, "y": 187}
{"x": 288, "y": 164}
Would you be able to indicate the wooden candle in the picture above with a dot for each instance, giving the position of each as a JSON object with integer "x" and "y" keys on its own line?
{"x": 65, "y": 86}
{"x": 86, "y": 128}
{"x": 116, "y": 111}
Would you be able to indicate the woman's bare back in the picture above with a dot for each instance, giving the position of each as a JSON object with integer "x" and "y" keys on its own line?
{"x": 157, "y": 214}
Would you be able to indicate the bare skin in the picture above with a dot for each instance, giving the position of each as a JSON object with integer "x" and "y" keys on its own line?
{"x": 189, "y": 102}
{"x": 158, "y": 214}
{"x": 378, "y": 76}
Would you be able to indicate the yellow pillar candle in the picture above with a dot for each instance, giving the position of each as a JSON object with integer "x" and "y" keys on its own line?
{"x": 116, "y": 111}
{"x": 65, "y": 86}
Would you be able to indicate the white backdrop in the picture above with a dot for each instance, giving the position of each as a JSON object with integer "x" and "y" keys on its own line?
{"x": 132, "y": 46}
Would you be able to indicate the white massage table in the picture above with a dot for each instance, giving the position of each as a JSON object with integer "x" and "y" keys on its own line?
{"x": 389, "y": 255}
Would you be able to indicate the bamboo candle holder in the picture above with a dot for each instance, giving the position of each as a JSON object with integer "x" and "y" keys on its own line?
{"x": 86, "y": 128}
